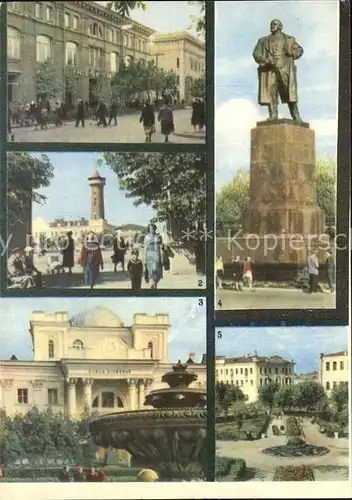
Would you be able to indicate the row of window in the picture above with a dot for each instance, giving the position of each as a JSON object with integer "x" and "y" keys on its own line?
{"x": 332, "y": 385}
{"x": 71, "y": 21}
{"x": 104, "y": 400}
{"x": 241, "y": 371}
{"x": 53, "y": 396}
{"x": 44, "y": 52}
{"x": 334, "y": 365}
{"x": 241, "y": 383}
{"x": 196, "y": 65}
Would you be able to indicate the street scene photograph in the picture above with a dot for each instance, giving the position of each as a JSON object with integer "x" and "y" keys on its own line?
{"x": 276, "y": 122}
{"x": 283, "y": 405}
{"x": 106, "y": 72}
{"x": 102, "y": 390}
{"x": 106, "y": 220}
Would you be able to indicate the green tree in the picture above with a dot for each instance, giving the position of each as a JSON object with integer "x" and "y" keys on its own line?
{"x": 173, "y": 184}
{"x": 26, "y": 174}
{"x": 200, "y": 21}
{"x": 325, "y": 173}
{"x": 48, "y": 80}
{"x": 125, "y": 8}
{"x": 267, "y": 394}
{"x": 308, "y": 394}
{"x": 226, "y": 396}
{"x": 196, "y": 86}
{"x": 284, "y": 398}
{"x": 239, "y": 410}
{"x": 232, "y": 202}
{"x": 72, "y": 83}
{"x": 339, "y": 396}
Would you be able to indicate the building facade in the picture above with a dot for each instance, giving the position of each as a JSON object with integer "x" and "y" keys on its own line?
{"x": 333, "y": 369}
{"x": 86, "y": 41}
{"x": 183, "y": 54}
{"x": 88, "y": 44}
{"x": 90, "y": 361}
{"x": 250, "y": 373}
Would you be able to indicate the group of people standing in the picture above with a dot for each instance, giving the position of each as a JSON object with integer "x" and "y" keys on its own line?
{"x": 156, "y": 258}
{"x": 95, "y": 475}
{"x": 242, "y": 272}
{"x": 100, "y": 113}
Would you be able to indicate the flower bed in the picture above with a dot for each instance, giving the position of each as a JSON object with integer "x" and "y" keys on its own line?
{"x": 294, "y": 473}
{"x": 229, "y": 469}
{"x": 251, "y": 429}
{"x": 296, "y": 450}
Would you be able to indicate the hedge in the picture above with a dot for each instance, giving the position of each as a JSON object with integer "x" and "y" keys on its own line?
{"x": 251, "y": 429}
{"x": 330, "y": 427}
{"x": 294, "y": 473}
{"x": 230, "y": 469}
{"x": 293, "y": 427}
{"x": 53, "y": 472}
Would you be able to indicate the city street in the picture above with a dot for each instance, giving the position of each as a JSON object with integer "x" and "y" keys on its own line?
{"x": 181, "y": 275}
{"x": 273, "y": 298}
{"x": 128, "y": 130}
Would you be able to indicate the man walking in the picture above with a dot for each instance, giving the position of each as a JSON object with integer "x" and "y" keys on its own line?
{"x": 80, "y": 113}
{"x": 113, "y": 113}
{"x": 331, "y": 270}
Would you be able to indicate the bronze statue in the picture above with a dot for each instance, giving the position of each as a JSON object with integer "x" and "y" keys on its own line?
{"x": 275, "y": 55}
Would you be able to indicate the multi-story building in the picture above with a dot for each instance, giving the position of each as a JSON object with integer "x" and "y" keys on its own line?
{"x": 183, "y": 54}
{"x": 333, "y": 369}
{"x": 88, "y": 44}
{"x": 250, "y": 373}
{"x": 90, "y": 361}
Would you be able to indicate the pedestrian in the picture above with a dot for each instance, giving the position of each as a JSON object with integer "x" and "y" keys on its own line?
{"x": 238, "y": 274}
{"x": 166, "y": 119}
{"x": 201, "y": 114}
{"x": 153, "y": 259}
{"x": 113, "y": 113}
{"x": 120, "y": 248}
{"x": 65, "y": 476}
{"x": 247, "y": 272}
{"x": 101, "y": 477}
{"x": 194, "y": 117}
{"x": 92, "y": 476}
{"x": 68, "y": 253}
{"x": 148, "y": 120}
{"x": 91, "y": 260}
{"x": 135, "y": 270}
{"x": 331, "y": 270}
{"x": 313, "y": 271}
{"x": 219, "y": 271}
{"x": 102, "y": 113}
{"x": 78, "y": 475}
{"x": 80, "y": 113}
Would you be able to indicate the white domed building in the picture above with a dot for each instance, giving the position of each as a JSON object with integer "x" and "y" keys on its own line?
{"x": 90, "y": 361}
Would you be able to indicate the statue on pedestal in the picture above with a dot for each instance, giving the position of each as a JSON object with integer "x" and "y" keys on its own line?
{"x": 275, "y": 55}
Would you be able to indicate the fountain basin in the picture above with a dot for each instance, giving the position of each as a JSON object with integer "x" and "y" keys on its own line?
{"x": 172, "y": 441}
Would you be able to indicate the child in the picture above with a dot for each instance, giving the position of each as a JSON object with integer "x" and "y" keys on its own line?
{"x": 135, "y": 270}
{"x": 220, "y": 271}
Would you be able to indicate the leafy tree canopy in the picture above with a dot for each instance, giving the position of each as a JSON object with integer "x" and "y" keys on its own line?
{"x": 308, "y": 394}
{"x": 48, "y": 81}
{"x": 267, "y": 393}
{"x": 227, "y": 395}
{"x": 172, "y": 184}
{"x": 26, "y": 174}
{"x": 339, "y": 396}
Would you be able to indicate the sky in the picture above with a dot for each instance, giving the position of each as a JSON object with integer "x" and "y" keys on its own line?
{"x": 68, "y": 195}
{"x": 187, "y": 319}
{"x": 239, "y": 25}
{"x": 166, "y": 16}
{"x": 302, "y": 344}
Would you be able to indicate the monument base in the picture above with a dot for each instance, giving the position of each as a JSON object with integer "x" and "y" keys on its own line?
{"x": 274, "y": 257}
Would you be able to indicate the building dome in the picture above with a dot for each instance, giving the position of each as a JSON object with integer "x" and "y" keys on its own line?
{"x": 97, "y": 316}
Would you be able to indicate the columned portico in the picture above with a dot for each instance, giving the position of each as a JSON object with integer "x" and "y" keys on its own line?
{"x": 87, "y": 389}
{"x": 71, "y": 382}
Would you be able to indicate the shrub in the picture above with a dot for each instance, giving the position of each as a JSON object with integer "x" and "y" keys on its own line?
{"x": 329, "y": 427}
{"x": 230, "y": 468}
{"x": 275, "y": 430}
{"x": 294, "y": 473}
{"x": 293, "y": 427}
{"x": 295, "y": 441}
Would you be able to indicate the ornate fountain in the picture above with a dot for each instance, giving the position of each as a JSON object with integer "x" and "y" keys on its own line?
{"x": 170, "y": 438}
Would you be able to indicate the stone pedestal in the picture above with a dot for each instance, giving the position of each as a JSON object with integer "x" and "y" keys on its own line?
{"x": 283, "y": 196}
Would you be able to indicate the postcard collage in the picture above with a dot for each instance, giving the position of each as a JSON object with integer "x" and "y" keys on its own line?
{"x": 175, "y": 261}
